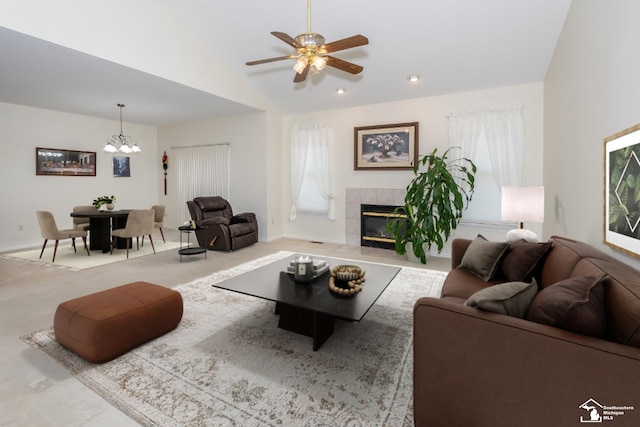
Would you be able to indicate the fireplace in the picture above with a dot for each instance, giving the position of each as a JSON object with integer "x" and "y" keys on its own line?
{"x": 373, "y": 225}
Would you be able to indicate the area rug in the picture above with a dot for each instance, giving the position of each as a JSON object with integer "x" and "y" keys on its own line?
{"x": 67, "y": 259}
{"x": 228, "y": 364}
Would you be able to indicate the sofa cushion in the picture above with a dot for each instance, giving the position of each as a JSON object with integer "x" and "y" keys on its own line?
{"x": 511, "y": 298}
{"x": 482, "y": 257}
{"x": 521, "y": 259}
{"x": 575, "y": 304}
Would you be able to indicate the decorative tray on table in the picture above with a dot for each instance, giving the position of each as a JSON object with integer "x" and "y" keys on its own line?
{"x": 319, "y": 267}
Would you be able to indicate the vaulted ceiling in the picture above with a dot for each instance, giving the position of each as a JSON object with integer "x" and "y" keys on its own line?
{"x": 453, "y": 45}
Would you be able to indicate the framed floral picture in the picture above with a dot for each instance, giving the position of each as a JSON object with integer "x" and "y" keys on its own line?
{"x": 621, "y": 225}
{"x": 393, "y": 146}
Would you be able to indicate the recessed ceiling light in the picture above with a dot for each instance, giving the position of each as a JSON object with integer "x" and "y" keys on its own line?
{"x": 413, "y": 78}
{"x": 340, "y": 91}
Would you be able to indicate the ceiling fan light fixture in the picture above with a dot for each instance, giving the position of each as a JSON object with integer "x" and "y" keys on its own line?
{"x": 414, "y": 78}
{"x": 311, "y": 50}
{"x": 310, "y": 39}
{"x": 301, "y": 64}
{"x": 319, "y": 62}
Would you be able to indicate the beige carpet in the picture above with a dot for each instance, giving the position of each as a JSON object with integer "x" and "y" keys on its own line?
{"x": 229, "y": 364}
{"x": 67, "y": 259}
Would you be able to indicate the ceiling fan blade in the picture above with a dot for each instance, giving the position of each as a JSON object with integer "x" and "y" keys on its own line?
{"x": 302, "y": 77}
{"x": 264, "y": 61}
{"x": 287, "y": 39}
{"x": 343, "y": 65}
{"x": 348, "y": 43}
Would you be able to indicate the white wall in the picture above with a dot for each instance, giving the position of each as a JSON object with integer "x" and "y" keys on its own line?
{"x": 22, "y": 192}
{"x": 112, "y": 30}
{"x": 259, "y": 152}
{"x": 431, "y": 113}
{"x": 251, "y": 179}
{"x": 591, "y": 92}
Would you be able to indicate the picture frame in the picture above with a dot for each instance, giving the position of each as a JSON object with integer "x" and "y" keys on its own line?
{"x": 62, "y": 162}
{"x": 390, "y": 147}
{"x": 621, "y": 191}
{"x": 121, "y": 166}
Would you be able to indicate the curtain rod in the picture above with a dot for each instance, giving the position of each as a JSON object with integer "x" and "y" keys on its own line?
{"x": 200, "y": 145}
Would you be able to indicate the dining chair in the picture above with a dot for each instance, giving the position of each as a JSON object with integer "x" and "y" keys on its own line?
{"x": 49, "y": 231}
{"x": 82, "y": 223}
{"x": 158, "y": 221}
{"x": 139, "y": 223}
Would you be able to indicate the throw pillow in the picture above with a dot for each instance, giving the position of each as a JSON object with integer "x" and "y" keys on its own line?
{"x": 522, "y": 234}
{"x": 575, "y": 304}
{"x": 521, "y": 259}
{"x": 482, "y": 257}
{"x": 511, "y": 298}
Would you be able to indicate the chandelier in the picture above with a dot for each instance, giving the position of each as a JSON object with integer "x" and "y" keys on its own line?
{"x": 121, "y": 143}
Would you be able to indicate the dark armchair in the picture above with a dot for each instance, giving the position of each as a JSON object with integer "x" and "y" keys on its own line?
{"x": 225, "y": 231}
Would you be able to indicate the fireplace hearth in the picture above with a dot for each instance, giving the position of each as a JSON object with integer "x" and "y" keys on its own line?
{"x": 373, "y": 227}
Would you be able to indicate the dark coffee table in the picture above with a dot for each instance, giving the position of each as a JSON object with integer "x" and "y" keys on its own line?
{"x": 310, "y": 308}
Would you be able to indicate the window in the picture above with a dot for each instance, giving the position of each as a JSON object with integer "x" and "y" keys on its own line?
{"x": 486, "y": 201}
{"x": 311, "y": 200}
{"x": 199, "y": 171}
{"x": 494, "y": 141}
{"x": 312, "y": 186}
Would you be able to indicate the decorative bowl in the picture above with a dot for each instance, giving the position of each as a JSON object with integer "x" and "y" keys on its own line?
{"x": 346, "y": 280}
{"x": 346, "y": 272}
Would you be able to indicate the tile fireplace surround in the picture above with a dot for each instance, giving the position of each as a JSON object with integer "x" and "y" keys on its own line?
{"x": 369, "y": 196}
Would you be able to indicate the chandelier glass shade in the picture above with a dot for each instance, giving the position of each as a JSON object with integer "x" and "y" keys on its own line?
{"x": 121, "y": 143}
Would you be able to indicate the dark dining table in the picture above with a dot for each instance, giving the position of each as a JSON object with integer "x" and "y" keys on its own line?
{"x": 100, "y": 225}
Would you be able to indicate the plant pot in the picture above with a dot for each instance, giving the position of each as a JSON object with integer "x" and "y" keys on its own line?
{"x": 411, "y": 257}
{"x": 111, "y": 206}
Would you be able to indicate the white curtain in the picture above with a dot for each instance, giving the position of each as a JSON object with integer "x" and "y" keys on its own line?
{"x": 505, "y": 136}
{"x": 504, "y": 133}
{"x": 199, "y": 171}
{"x": 317, "y": 141}
{"x": 464, "y": 131}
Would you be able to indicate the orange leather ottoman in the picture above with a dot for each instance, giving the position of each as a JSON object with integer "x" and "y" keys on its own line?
{"x": 104, "y": 325}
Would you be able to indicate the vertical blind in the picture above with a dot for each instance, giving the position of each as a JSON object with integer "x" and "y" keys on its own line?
{"x": 201, "y": 170}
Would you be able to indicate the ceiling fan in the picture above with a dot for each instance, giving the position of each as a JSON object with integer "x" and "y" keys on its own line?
{"x": 312, "y": 53}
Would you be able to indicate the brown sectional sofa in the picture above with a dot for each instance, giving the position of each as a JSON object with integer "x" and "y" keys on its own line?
{"x": 474, "y": 367}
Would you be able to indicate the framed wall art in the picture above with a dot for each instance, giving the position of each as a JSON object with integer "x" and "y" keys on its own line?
{"x": 621, "y": 224}
{"x": 121, "y": 166}
{"x": 393, "y": 146}
{"x": 59, "y": 162}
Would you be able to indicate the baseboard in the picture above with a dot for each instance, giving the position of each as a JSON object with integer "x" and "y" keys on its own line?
{"x": 314, "y": 239}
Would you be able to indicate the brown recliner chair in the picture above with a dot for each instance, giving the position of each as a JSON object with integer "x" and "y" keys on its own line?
{"x": 225, "y": 231}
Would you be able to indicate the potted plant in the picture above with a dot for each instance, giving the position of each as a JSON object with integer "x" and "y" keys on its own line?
{"x": 433, "y": 206}
{"x": 104, "y": 200}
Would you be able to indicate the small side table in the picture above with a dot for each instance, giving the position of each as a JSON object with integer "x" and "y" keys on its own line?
{"x": 190, "y": 250}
